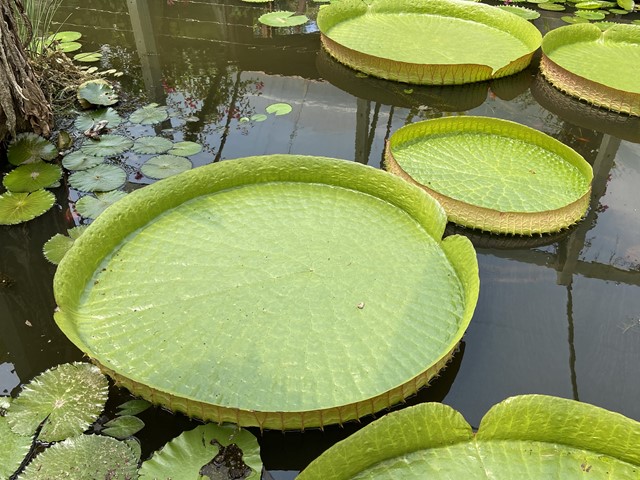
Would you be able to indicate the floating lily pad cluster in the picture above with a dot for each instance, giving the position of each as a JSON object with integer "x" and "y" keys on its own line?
{"x": 48, "y": 428}
{"x": 27, "y": 196}
{"x": 583, "y": 11}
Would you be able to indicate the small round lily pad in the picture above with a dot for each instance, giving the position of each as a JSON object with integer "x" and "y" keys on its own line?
{"x": 32, "y": 176}
{"x": 106, "y": 145}
{"x": 21, "y": 207}
{"x": 149, "y": 114}
{"x": 90, "y": 207}
{"x": 29, "y": 148}
{"x": 573, "y": 20}
{"x": 86, "y": 457}
{"x": 279, "y": 108}
{"x": 282, "y": 19}
{"x": 101, "y": 178}
{"x": 590, "y": 14}
{"x": 79, "y": 160}
{"x": 68, "y": 47}
{"x": 57, "y": 246}
{"x": 164, "y": 166}
{"x": 65, "y": 36}
{"x": 553, "y": 7}
{"x": 87, "y": 119}
{"x": 151, "y": 145}
{"x": 259, "y": 117}
{"x": 123, "y": 427}
{"x": 185, "y": 149}
{"x": 97, "y": 92}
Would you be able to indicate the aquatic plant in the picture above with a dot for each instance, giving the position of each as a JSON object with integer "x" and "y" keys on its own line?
{"x": 387, "y": 38}
{"x": 609, "y": 79}
{"x": 16, "y": 207}
{"x": 29, "y": 148}
{"x": 524, "y": 437}
{"x": 276, "y": 272}
{"x": 493, "y": 174}
{"x": 57, "y": 246}
{"x": 96, "y": 92}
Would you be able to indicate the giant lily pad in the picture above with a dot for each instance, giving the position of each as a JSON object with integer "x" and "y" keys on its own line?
{"x": 251, "y": 287}
{"x": 526, "y": 437}
{"x": 22, "y": 207}
{"x": 439, "y": 42}
{"x": 186, "y": 455}
{"x": 609, "y": 78}
{"x": 65, "y": 400}
{"x": 30, "y": 148}
{"x": 87, "y": 457}
{"x": 493, "y": 174}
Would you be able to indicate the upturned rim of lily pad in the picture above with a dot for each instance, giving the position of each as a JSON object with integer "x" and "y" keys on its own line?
{"x": 476, "y": 208}
{"x": 386, "y": 65}
{"x": 597, "y": 89}
{"x": 318, "y": 179}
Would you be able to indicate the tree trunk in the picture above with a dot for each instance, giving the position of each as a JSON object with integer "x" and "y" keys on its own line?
{"x": 23, "y": 105}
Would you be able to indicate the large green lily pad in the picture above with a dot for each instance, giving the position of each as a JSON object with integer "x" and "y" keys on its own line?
{"x": 439, "y": 42}
{"x": 32, "y": 176}
{"x": 21, "y": 207}
{"x": 246, "y": 291}
{"x": 493, "y": 174}
{"x": 598, "y": 66}
{"x": 526, "y": 437}
{"x": 29, "y": 148}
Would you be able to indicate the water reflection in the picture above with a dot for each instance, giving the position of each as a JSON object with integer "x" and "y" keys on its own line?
{"x": 556, "y": 314}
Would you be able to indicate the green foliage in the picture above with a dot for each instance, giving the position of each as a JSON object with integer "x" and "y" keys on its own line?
{"x": 21, "y": 207}
{"x": 57, "y": 246}
{"x": 64, "y": 400}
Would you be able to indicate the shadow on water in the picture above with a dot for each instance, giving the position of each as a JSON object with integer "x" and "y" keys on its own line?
{"x": 557, "y": 314}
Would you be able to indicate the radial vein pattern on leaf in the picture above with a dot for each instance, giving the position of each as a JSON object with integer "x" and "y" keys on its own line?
{"x": 427, "y": 39}
{"x": 279, "y": 299}
{"x": 611, "y": 63}
{"x": 491, "y": 171}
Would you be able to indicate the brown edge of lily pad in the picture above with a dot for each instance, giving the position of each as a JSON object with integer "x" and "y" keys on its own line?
{"x": 416, "y": 73}
{"x": 591, "y": 92}
{"x": 281, "y": 420}
{"x": 515, "y": 223}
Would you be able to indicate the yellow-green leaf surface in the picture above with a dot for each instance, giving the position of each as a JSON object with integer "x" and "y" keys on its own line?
{"x": 610, "y": 57}
{"x": 286, "y": 284}
{"x": 491, "y": 164}
{"x": 185, "y": 455}
{"x": 526, "y": 437}
{"x": 13, "y": 447}
{"x": 416, "y": 34}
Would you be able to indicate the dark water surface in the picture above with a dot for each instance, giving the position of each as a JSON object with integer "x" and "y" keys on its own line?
{"x": 557, "y": 315}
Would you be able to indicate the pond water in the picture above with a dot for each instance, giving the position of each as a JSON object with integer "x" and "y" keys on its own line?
{"x": 557, "y": 315}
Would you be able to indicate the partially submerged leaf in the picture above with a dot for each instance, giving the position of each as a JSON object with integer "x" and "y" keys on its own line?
{"x": 149, "y": 114}
{"x": 187, "y": 454}
{"x": 152, "y": 145}
{"x": 164, "y": 166}
{"x": 123, "y": 427}
{"x": 87, "y": 119}
{"x": 133, "y": 407}
{"x": 279, "y": 108}
{"x": 526, "y": 437}
{"x": 57, "y": 246}
{"x": 107, "y": 145}
{"x": 185, "y": 149}
{"x": 65, "y": 399}
{"x": 90, "y": 207}
{"x": 32, "y": 176}
{"x": 282, "y": 19}
{"x": 88, "y": 57}
{"x": 101, "y": 178}
{"x": 86, "y": 457}
{"x": 22, "y": 207}
{"x": 29, "y": 148}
